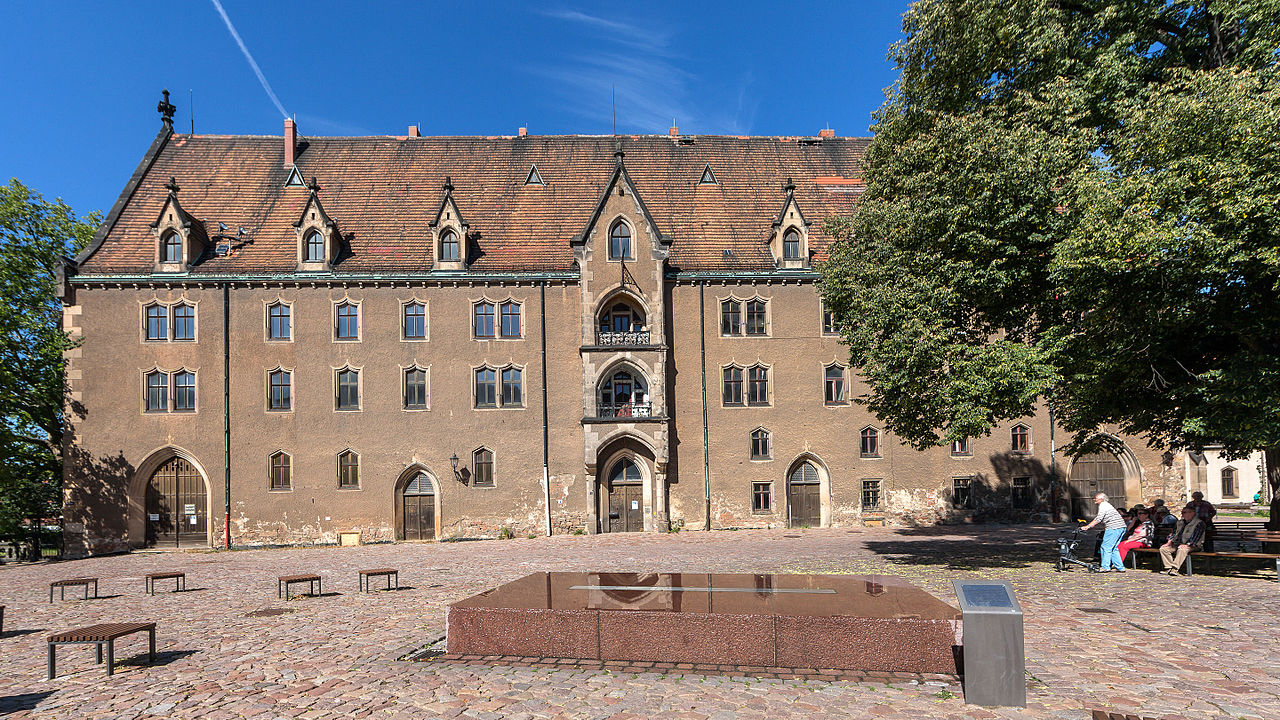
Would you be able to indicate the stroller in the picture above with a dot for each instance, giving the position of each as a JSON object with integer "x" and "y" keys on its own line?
{"x": 1067, "y": 553}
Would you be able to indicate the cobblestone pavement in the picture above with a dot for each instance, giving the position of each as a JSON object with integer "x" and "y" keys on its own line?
{"x": 1202, "y": 647}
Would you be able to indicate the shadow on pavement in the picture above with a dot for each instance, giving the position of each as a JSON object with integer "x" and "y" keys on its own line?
{"x": 25, "y": 701}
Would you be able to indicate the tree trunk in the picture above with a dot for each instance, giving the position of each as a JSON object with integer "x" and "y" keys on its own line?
{"x": 1271, "y": 459}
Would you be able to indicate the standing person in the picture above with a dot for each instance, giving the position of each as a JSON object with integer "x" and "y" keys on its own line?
{"x": 1113, "y": 530}
{"x": 1186, "y": 538}
{"x": 1205, "y": 511}
{"x": 1141, "y": 534}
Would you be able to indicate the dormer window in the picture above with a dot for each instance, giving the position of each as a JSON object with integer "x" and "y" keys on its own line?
{"x": 171, "y": 248}
{"x": 180, "y": 238}
{"x": 791, "y": 245}
{"x": 708, "y": 177}
{"x": 314, "y": 247}
{"x": 620, "y": 241}
{"x": 449, "y": 247}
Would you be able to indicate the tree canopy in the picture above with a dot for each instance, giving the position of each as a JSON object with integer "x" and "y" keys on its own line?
{"x": 1074, "y": 203}
{"x": 35, "y": 235}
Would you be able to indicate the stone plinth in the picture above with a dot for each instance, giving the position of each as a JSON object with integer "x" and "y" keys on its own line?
{"x": 851, "y": 622}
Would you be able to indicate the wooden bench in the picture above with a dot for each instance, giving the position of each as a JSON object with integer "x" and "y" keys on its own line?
{"x": 179, "y": 580}
{"x": 363, "y": 579}
{"x": 285, "y": 581}
{"x": 102, "y": 635}
{"x": 1241, "y": 537}
{"x": 62, "y": 586}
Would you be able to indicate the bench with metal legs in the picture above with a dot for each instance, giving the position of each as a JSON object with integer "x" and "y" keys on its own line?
{"x": 284, "y": 582}
{"x": 179, "y": 581}
{"x": 62, "y": 586}
{"x": 365, "y": 575}
{"x": 102, "y": 637}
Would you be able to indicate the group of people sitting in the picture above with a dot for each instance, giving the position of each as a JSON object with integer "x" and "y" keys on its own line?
{"x": 1127, "y": 530}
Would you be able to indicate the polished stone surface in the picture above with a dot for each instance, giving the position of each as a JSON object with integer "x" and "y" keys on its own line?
{"x": 862, "y": 622}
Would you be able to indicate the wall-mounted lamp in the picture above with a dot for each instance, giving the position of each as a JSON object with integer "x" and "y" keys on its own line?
{"x": 453, "y": 462}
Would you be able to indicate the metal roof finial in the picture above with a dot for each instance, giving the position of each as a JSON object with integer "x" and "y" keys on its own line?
{"x": 313, "y": 186}
{"x": 448, "y": 184}
{"x": 172, "y": 186}
{"x": 617, "y": 151}
{"x": 166, "y": 110}
{"x": 790, "y": 187}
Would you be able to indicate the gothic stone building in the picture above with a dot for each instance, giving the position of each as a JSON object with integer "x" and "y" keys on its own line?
{"x": 430, "y": 337}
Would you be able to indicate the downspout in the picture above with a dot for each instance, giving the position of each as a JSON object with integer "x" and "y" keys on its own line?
{"x": 706, "y": 448}
{"x": 1053, "y": 470}
{"x": 546, "y": 431}
{"x": 226, "y": 405}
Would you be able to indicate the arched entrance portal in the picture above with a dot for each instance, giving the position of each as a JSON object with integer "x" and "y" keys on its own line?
{"x": 624, "y": 497}
{"x": 177, "y": 510}
{"x": 804, "y": 497}
{"x": 418, "y": 508}
{"x": 1092, "y": 474}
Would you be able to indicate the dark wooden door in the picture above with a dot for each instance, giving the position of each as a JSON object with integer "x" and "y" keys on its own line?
{"x": 1092, "y": 474}
{"x": 804, "y": 506}
{"x": 177, "y": 506}
{"x": 418, "y": 503}
{"x": 626, "y": 508}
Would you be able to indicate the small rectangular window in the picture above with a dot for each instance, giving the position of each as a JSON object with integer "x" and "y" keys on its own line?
{"x": 761, "y": 497}
{"x": 1021, "y": 490}
{"x": 415, "y": 389}
{"x": 157, "y": 323}
{"x": 415, "y": 321}
{"x": 157, "y": 392}
{"x": 184, "y": 392}
{"x": 962, "y": 493}
{"x": 510, "y": 315}
{"x": 348, "y": 389}
{"x": 184, "y": 322}
{"x": 512, "y": 387}
{"x": 870, "y": 494}
{"x": 733, "y": 386}
{"x": 281, "y": 393}
{"x": 730, "y": 318}
{"x": 279, "y": 322}
{"x": 760, "y": 444}
{"x": 828, "y": 321}
{"x": 757, "y": 313}
{"x": 961, "y": 447}
{"x": 486, "y": 388}
{"x": 758, "y": 386}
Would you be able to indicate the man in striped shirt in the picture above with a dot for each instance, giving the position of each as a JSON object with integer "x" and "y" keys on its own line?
{"x": 1114, "y": 525}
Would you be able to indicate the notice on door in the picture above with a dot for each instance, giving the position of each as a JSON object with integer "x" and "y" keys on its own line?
{"x": 154, "y": 517}
{"x": 635, "y": 504}
{"x": 193, "y": 519}
{"x": 189, "y": 509}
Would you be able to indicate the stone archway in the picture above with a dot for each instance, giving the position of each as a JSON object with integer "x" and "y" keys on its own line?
{"x": 1113, "y": 469}
{"x": 626, "y": 472}
{"x": 417, "y": 496}
{"x": 806, "y": 492}
{"x": 166, "y": 492}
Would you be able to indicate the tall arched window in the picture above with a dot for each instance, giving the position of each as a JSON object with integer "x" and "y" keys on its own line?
{"x": 184, "y": 322}
{"x": 484, "y": 320}
{"x": 1020, "y": 438}
{"x": 281, "y": 394}
{"x": 157, "y": 392}
{"x": 834, "y": 377}
{"x": 624, "y": 394}
{"x": 279, "y": 325}
{"x": 1229, "y": 489}
{"x": 157, "y": 322}
{"x": 171, "y": 247}
{"x": 791, "y": 245}
{"x": 870, "y": 443}
{"x": 450, "y": 249}
{"x": 348, "y": 470}
{"x": 482, "y": 468}
{"x": 348, "y": 326}
{"x": 281, "y": 466}
{"x": 620, "y": 241}
{"x": 313, "y": 250}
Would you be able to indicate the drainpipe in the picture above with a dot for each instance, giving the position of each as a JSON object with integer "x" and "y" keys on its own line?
{"x": 546, "y": 432}
{"x": 1053, "y": 470}
{"x": 226, "y": 405}
{"x": 706, "y": 451}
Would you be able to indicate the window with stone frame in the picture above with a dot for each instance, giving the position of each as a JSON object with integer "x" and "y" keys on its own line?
{"x": 280, "y": 394}
{"x": 869, "y": 445}
{"x": 512, "y": 387}
{"x": 415, "y": 389}
{"x": 871, "y": 495}
{"x": 761, "y": 444}
{"x": 961, "y": 448}
{"x": 758, "y": 385}
{"x": 733, "y": 386}
{"x": 414, "y": 321}
{"x": 184, "y": 391}
{"x": 482, "y": 468}
{"x": 157, "y": 323}
{"x": 761, "y": 497}
{"x": 791, "y": 245}
{"x": 1229, "y": 487}
{"x": 348, "y": 397}
{"x": 171, "y": 247}
{"x": 620, "y": 241}
{"x": 833, "y": 377}
{"x": 1020, "y": 438}
{"x": 156, "y": 397}
{"x": 483, "y": 313}
{"x": 313, "y": 247}
{"x": 184, "y": 322}
{"x": 962, "y": 492}
{"x": 280, "y": 471}
{"x": 348, "y": 470}
{"x": 348, "y": 321}
{"x": 279, "y": 321}
{"x": 757, "y": 317}
{"x": 1020, "y": 491}
{"x": 450, "y": 248}
{"x": 509, "y": 316}
{"x": 486, "y": 388}
{"x": 731, "y": 317}
{"x": 828, "y": 321}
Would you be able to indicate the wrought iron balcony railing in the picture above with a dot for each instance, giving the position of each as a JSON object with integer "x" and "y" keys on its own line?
{"x": 629, "y": 337}
{"x": 629, "y": 409}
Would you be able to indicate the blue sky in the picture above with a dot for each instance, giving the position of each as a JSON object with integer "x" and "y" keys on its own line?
{"x": 82, "y": 79}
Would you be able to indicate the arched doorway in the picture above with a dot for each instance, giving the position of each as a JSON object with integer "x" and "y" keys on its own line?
{"x": 804, "y": 497}
{"x": 177, "y": 506}
{"x": 418, "y": 508}
{"x": 624, "y": 497}
{"x": 1094, "y": 473}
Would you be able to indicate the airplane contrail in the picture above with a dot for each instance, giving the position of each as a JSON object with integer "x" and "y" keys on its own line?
{"x": 249, "y": 56}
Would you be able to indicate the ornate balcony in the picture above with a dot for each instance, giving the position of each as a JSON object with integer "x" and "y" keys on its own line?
{"x": 630, "y": 337}
{"x": 629, "y": 409}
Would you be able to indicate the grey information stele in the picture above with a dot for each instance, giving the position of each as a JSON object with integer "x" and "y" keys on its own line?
{"x": 994, "y": 655}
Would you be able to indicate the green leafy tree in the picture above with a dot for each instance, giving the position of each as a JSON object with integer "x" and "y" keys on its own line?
{"x": 35, "y": 235}
{"x": 1075, "y": 203}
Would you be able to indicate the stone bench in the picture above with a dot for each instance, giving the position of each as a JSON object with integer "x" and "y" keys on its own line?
{"x": 101, "y": 636}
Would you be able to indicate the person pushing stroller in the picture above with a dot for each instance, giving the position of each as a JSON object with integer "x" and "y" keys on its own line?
{"x": 1113, "y": 529}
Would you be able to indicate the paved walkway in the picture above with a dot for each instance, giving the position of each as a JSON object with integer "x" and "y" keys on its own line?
{"x": 1202, "y": 647}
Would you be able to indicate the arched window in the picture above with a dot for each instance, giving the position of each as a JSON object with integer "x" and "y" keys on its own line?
{"x": 415, "y": 389}
{"x": 280, "y": 396}
{"x": 484, "y": 319}
{"x": 184, "y": 322}
{"x": 791, "y": 245}
{"x": 313, "y": 247}
{"x": 157, "y": 396}
{"x": 482, "y": 468}
{"x": 509, "y": 313}
{"x": 758, "y": 385}
{"x": 620, "y": 241}
{"x": 171, "y": 248}
{"x": 1229, "y": 489}
{"x": 624, "y": 394}
{"x": 157, "y": 322}
{"x": 348, "y": 470}
{"x": 733, "y": 386}
{"x": 281, "y": 465}
{"x": 834, "y": 380}
{"x": 625, "y": 471}
{"x": 184, "y": 391}
{"x": 415, "y": 321}
{"x": 348, "y": 326}
{"x": 450, "y": 250}
{"x": 512, "y": 387}
{"x": 279, "y": 322}
{"x": 348, "y": 389}
{"x": 486, "y": 388}
{"x": 620, "y": 317}
{"x": 1020, "y": 438}
{"x": 761, "y": 444}
{"x": 419, "y": 485}
{"x": 870, "y": 443}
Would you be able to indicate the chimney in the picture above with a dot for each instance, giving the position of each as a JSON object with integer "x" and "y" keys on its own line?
{"x": 290, "y": 141}
{"x": 674, "y": 131}
{"x": 523, "y": 132}
{"x": 414, "y": 132}
{"x": 827, "y": 133}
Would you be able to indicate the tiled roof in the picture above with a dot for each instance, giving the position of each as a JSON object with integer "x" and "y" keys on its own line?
{"x": 382, "y": 192}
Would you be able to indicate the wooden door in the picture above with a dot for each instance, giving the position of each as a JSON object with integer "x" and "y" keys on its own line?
{"x": 626, "y": 508}
{"x": 1092, "y": 474}
{"x": 177, "y": 506}
{"x": 804, "y": 505}
{"x": 418, "y": 505}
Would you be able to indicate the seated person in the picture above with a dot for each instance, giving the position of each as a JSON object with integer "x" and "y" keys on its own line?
{"x": 1186, "y": 538}
{"x": 1141, "y": 533}
{"x": 1166, "y": 518}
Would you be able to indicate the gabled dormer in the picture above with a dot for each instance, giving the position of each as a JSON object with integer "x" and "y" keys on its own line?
{"x": 619, "y": 185}
{"x": 449, "y": 233}
{"x": 180, "y": 238}
{"x": 790, "y": 240}
{"x": 319, "y": 241}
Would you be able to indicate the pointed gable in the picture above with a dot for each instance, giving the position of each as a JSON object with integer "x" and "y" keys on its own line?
{"x": 619, "y": 178}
